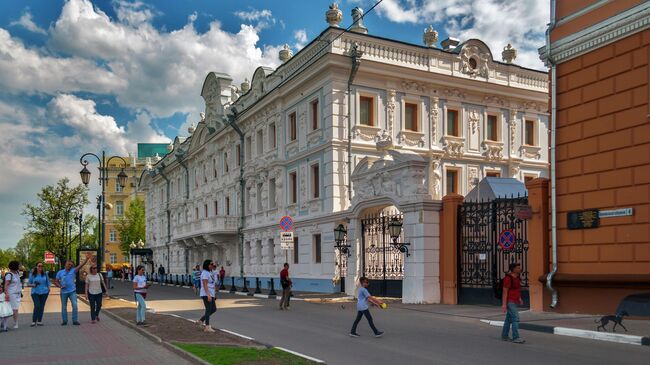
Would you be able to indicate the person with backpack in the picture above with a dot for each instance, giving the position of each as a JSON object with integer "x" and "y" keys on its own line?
{"x": 40, "y": 284}
{"x": 13, "y": 289}
{"x": 286, "y": 287}
{"x": 510, "y": 298}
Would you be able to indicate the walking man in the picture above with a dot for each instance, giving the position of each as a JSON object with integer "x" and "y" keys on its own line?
{"x": 362, "y": 308}
{"x": 161, "y": 274}
{"x": 222, "y": 276}
{"x": 511, "y": 298}
{"x": 286, "y": 287}
{"x": 65, "y": 279}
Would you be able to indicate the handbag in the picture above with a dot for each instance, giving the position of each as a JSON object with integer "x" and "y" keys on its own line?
{"x": 102, "y": 284}
{"x": 5, "y": 307}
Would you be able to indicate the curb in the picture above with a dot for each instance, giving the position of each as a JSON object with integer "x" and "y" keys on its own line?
{"x": 574, "y": 332}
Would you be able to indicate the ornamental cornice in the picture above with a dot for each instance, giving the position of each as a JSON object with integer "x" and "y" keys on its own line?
{"x": 610, "y": 30}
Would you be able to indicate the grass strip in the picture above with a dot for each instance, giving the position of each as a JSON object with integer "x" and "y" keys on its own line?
{"x": 225, "y": 355}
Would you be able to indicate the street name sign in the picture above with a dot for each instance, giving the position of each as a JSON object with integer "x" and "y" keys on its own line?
{"x": 623, "y": 212}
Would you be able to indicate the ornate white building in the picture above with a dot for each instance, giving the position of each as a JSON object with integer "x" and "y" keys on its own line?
{"x": 423, "y": 122}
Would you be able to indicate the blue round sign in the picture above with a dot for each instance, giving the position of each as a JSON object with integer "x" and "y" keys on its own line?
{"x": 507, "y": 239}
{"x": 286, "y": 223}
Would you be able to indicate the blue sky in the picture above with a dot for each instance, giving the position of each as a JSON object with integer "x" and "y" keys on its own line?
{"x": 79, "y": 76}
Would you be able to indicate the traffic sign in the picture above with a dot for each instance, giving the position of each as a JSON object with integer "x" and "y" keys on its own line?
{"x": 50, "y": 258}
{"x": 286, "y": 240}
{"x": 507, "y": 239}
{"x": 523, "y": 211}
{"x": 286, "y": 223}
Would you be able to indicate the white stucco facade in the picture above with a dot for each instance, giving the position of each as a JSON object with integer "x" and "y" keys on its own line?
{"x": 193, "y": 193}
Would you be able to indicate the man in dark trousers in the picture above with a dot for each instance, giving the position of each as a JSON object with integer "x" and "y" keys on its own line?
{"x": 286, "y": 287}
{"x": 222, "y": 275}
{"x": 511, "y": 298}
{"x": 161, "y": 274}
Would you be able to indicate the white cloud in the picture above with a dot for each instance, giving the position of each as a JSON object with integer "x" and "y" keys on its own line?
{"x": 27, "y": 22}
{"x": 254, "y": 14}
{"x": 521, "y": 23}
{"x": 300, "y": 36}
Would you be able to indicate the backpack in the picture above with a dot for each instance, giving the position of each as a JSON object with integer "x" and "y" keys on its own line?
{"x": 498, "y": 287}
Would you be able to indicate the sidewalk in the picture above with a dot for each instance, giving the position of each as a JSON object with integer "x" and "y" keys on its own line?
{"x": 106, "y": 342}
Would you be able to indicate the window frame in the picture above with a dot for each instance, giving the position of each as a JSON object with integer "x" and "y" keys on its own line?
{"x": 457, "y": 172}
{"x": 272, "y": 193}
{"x": 293, "y": 187}
{"x": 496, "y": 128}
{"x": 314, "y": 113}
{"x": 315, "y": 180}
{"x": 259, "y": 142}
{"x": 533, "y": 131}
{"x": 371, "y": 110}
{"x": 296, "y": 250}
{"x": 292, "y": 126}
{"x": 317, "y": 248}
{"x": 456, "y": 129}
{"x": 273, "y": 136}
{"x": 119, "y": 205}
{"x": 416, "y": 115}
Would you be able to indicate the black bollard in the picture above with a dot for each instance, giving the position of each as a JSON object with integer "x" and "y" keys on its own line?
{"x": 177, "y": 283}
{"x": 257, "y": 286}
{"x": 272, "y": 291}
{"x": 245, "y": 289}
{"x": 232, "y": 288}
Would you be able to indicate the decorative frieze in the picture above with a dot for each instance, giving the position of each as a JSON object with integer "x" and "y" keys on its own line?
{"x": 411, "y": 138}
{"x": 453, "y": 146}
{"x": 493, "y": 150}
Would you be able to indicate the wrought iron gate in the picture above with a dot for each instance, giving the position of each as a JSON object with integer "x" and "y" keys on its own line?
{"x": 383, "y": 263}
{"x": 482, "y": 259}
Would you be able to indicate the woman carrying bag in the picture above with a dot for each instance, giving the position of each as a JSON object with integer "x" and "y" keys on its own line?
{"x": 40, "y": 284}
{"x": 95, "y": 289}
{"x": 5, "y": 310}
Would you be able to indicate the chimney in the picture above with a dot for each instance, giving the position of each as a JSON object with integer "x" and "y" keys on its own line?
{"x": 449, "y": 44}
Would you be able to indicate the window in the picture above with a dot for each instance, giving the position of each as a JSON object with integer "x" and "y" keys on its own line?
{"x": 259, "y": 197}
{"x": 247, "y": 201}
{"x": 493, "y": 174}
{"x": 272, "y": 143}
{"x": 227, "y": 205}
{"x": 238, "y": 157}
{"x": 296, "y": 251}
{"x": 196, "y": 213}
{"x": 314, "y": 114}
{"x": 249, "y": 149}
{"x": 366, "y": 111}
{"x": 452, "y": 123}
{"x": 214, "y": 168}
{"x": 260, "y": 142}
{"x": 293, "y": 191}
{"x": 317, "y": 250}
{"x": 225, "y": 162}
{"x": 171, "y": 188}
{"x": 492, "y": 128}
{"x": 216, "y": 207}
{"x": 119, "y": 208}
{"x": 272, "y": 194}
{"x": 530, "y": 133}
{"x": 112, "y": 235}
{"x": 196, "y": 179}
{"x": 205, "y": 210}
{"x": 205, "y": 174}
{"x": 178, "y": 185}
{"x": 315, "y": 181}
{"x": 292, "y": 127}
{"x": 411, "y": 117}
{"x": 452, "y": 181}
{"x": 118, "y": 188}
{"x": 113, "y": 258}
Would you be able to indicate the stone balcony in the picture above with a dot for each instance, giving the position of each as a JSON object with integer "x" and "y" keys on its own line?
{"x": 206, "y": 228}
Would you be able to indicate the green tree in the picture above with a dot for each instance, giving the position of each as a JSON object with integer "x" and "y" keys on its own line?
{"x": 6, "y": 256}
{"x": 131, "y": 226}
{"x": 49, "y": 219}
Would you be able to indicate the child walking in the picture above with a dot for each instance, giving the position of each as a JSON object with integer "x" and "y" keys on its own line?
{"x": 362, "y": 308}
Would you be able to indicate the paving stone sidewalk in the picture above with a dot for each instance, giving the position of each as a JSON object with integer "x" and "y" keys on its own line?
{"x": 107, "y": 342}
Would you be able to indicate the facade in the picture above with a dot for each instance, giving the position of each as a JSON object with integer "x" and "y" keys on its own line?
{"x": 598, "y": 52}
{"x": 119, "y": 198}
{"x": 353, "y": 130}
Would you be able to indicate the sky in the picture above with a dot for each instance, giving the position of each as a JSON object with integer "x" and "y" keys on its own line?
{"x": 82, "y": 76}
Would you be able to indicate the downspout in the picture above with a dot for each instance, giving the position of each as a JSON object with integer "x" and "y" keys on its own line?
{"x": 355, "y": 57}
{"x": 551, "y": 63}
{"x": 179, "y": 158}
{"x": 169, "y": 235}
{"x": 240, "y": 230}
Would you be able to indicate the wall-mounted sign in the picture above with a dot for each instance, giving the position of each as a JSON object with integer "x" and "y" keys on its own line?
{"x": 286, "y": 240}
{"x": 507, "y": 239}
{"x": 623, "y": 212}
{"x": 482, "y": 257}
{"x": 523, "y": 211}
{"x": 582, "y": 219}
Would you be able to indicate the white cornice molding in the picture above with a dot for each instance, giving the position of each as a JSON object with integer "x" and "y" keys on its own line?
{"x": 610, "y": 30}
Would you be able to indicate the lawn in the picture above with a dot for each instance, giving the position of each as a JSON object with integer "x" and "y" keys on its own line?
{"x": 223, "y": 355}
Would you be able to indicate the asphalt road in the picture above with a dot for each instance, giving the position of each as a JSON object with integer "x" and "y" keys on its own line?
{"x": 411, "y": 337}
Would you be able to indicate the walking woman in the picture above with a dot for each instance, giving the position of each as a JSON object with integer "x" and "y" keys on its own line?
{"x": 40, "y": 284}
{"x": 95, "y": 289}
{"x": 196, "y": 278}
{"x": 13, "y": 289}
{"x": 207, "y": 293}
{"x": 140, "y": 290}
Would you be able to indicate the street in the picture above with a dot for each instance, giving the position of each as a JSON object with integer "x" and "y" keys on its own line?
{"x": 412, "y": 336}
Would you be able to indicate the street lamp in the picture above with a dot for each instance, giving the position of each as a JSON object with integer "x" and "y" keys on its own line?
{"x": 395, "y": 230}
{"x": 103, "y": 178}
{"x": 340, "y": 237}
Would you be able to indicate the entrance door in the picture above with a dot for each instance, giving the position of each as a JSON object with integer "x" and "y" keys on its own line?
{"x": 383, "y": 263}
{"x": 490, "y": 237}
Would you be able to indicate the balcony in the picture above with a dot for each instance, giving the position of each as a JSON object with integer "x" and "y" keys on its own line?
{"x": 216, "y": 225}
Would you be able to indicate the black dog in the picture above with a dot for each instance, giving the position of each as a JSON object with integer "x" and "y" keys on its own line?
{"x": 617, "y": 319}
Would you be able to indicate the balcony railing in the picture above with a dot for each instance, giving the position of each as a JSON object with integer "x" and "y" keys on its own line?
{"x": 215, "y": 224}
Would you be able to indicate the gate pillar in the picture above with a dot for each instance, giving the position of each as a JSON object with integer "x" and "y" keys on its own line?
{"x": 421, "y": 284}
{"x": 354, "y": 269}
{"x": 449, "y": 248}
{"x": 538, "y": 242}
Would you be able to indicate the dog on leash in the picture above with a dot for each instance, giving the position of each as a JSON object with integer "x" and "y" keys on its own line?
{"x": 617, "y": 319}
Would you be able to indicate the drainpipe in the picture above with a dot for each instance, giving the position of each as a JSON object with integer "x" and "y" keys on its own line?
{"x": 240, "y": 231}
{"x": 551, "y": 63}
{"x": 355, "y": 57}
{"x": 169, "y": 234}
{"x": 179, "y": 158}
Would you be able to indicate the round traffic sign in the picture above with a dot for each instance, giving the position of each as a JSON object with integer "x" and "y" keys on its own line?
{"x": 286, "y": 223}
{"x": 507, "y": 239}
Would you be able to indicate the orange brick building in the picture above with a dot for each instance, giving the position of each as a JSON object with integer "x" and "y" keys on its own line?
{"x": 598, "y": 55}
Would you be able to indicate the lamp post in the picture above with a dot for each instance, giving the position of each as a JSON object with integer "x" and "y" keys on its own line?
{"x": 103, "y": 178}
{"x": 79, "y": 219}
{"x": 133, "y": 246}
{"x": 395, "y": 230}
{"x": 340, "y": 237}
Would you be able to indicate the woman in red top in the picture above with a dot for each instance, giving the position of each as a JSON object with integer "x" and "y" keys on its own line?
{"x": 511, "y": 298}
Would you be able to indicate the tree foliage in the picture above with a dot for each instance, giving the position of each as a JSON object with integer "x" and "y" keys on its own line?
{"x": 49, "y": 220}
{"x": 131, "y": 226}
{"x": 6, "y": 256}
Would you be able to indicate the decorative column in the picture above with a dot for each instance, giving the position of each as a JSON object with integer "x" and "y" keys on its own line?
{"x": 422, "y": 268}
{"x": 449, "y": 248}
{"x": 538, "y": 242}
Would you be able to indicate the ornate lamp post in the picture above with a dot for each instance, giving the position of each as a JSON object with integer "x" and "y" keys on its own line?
{"x": 340, "y": 237}
{"x": 103, "y": 178}
{"x": 395, "y": 230}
